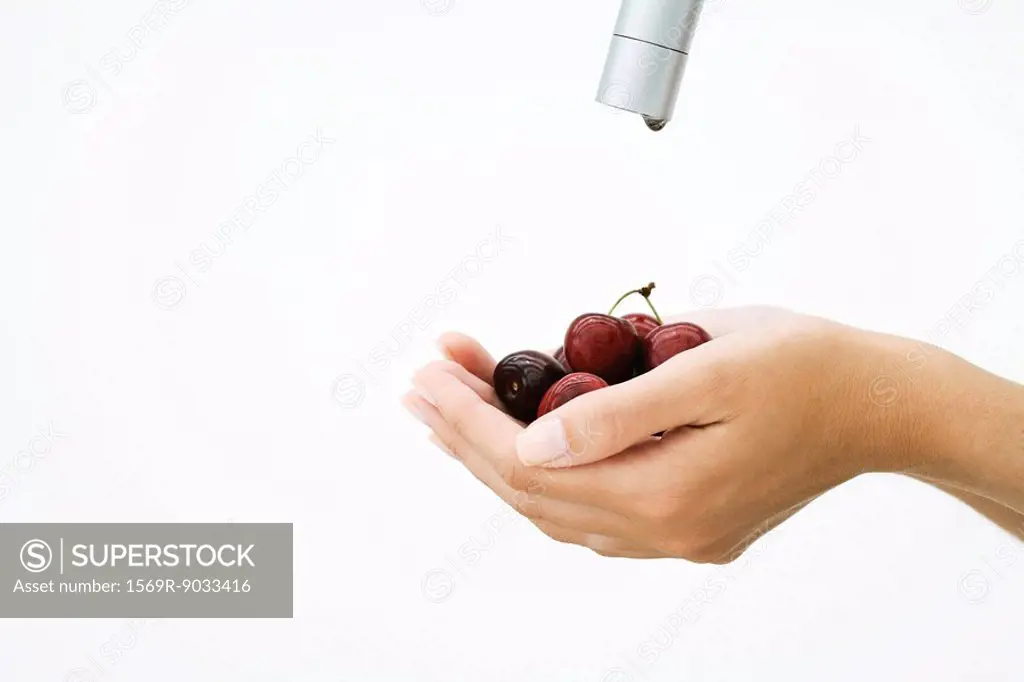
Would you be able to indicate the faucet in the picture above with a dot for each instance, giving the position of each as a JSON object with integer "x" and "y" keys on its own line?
{"x": 647, "y": 57}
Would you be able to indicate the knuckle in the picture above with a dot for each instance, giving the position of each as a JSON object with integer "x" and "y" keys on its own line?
{"x": 609, "y": 422}
{"x": 514, "y": 475}
{"x": 535, "y": 485}
{"x": 458, "y": 421}
{"x": 578, "y": 436}
{"x": 462, "y": 417}
{"x": 618, "y": 436}
{"x": 591, "y": 423}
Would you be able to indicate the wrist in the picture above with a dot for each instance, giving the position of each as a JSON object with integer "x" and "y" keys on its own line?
{"x": 956, "y": 423}
{"x": 979, "y": 435}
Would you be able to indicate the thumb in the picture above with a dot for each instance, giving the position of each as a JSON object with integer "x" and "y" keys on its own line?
{"x": 603, "y": 423}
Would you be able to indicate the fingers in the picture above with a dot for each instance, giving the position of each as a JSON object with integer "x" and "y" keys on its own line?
{"x": 682, "y": 392}
{"x": 480, "y": 387}
{"x": 455, "y": 445}
{"x": 531, "y": 499}
{"x": 475, "y": 420}
{"x": 490, "y": 435}
{"x": 468, "y": 353}
{"x": 605, "y": 545}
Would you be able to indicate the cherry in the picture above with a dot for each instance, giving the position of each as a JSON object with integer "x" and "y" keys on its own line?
{"x": 598, "y": 351}
{"x": 603, "y": 345}
{"x": 521, "y": 380}
{"x": 560, "y": 356}
{"x": 669, "y": 340}
{"x": 568, "y": 387}
{"x": 643, "y": 323}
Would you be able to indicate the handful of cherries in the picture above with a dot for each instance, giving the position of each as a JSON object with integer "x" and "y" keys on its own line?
{"x": 598, "y": 351}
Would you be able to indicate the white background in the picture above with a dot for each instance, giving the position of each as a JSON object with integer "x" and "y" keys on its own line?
{"x": 450, "y": 120}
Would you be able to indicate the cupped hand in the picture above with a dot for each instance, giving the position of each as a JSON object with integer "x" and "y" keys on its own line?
{"x": 770, "y": 414}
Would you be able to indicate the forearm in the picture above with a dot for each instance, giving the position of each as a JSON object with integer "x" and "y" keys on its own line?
{"x": 964, "y": 427}
{"x": 978, "y": 434}
{"x": 1008, "y": 519}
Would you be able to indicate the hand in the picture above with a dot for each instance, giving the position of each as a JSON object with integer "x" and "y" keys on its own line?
{"x": 775, "y": 411}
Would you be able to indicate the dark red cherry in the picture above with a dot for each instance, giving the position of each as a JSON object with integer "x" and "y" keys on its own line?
{"x": 521, "y": 380}
{"x": 642, "y": 322}
{"x": 603, "y": 345}
{"x": 560, "y": 356}
{"x": 669, "y": 340}
{"x": 568, "y": 387}
{"x": 644, "y": 325}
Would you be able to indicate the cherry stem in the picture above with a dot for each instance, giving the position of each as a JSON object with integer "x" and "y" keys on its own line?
{"x": 646, "y": 293}
{"x": 653, "y": 309}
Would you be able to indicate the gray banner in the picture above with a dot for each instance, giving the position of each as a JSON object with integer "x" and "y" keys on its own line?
{"x": 146, "y": 570}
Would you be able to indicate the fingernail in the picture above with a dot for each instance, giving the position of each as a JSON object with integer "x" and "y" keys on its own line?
{"x": 542, "y": 442}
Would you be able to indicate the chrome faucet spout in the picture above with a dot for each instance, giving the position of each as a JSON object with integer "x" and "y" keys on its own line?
{"x": 647, "y": 57}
